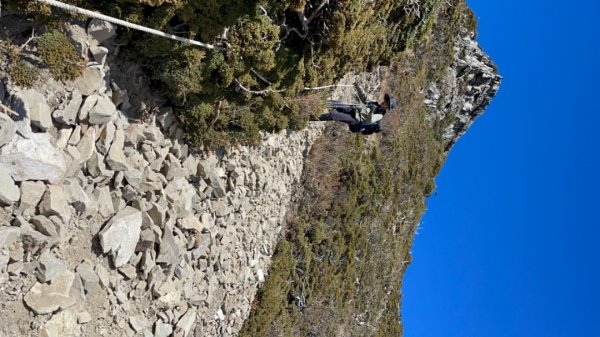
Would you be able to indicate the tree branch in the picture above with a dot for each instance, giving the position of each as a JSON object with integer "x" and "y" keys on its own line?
{"x": 264, "y": 92}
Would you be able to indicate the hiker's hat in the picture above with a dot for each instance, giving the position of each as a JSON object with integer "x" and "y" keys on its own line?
{"x": 391, "y": 101}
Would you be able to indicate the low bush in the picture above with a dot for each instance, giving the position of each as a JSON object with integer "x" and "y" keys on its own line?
{"x": 59, "y": 55}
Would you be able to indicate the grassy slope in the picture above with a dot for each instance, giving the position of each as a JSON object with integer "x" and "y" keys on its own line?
{"x": 338, "y": 270}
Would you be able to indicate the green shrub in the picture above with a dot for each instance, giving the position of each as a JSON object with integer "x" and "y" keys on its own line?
{"x": 24, "y": 74}
{"x": 59, "y": 55}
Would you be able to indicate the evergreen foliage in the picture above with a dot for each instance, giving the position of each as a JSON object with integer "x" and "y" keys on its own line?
{"x": 273, "y": 48}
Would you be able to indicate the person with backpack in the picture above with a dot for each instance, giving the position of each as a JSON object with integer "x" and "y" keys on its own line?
{"x": 364, "y": 117}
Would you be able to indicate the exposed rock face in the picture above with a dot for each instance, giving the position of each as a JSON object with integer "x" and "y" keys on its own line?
{"x": 468, "y": 88}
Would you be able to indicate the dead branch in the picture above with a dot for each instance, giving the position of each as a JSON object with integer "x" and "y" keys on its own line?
{"x": 262, "y": 78}
{"x": 328, "y": 86}
{"x": 8, "y": 110}
{"x": 264, "y": 92}
{"x": 217, "y": 113}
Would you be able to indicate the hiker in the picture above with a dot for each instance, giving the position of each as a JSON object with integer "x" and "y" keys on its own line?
{"x": 364, "y": 118}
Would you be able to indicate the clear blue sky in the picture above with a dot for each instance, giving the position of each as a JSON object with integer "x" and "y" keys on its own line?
{"x": 510, "y": 245}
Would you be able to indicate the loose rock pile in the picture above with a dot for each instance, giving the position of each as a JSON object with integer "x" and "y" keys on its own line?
{"x": 116, "y": 227}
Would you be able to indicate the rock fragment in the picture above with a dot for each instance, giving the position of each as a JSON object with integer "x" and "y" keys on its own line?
{"x": 31, "y": 194}
{"x": 90, "y": 81}
{"x": 49, "y": 268}
{"x": 45, "y": 226}
{"x": 121, "y": 234}
{"x": 185, "y": 324}
{"x": 54, "y": 202}
{"x": 102, "y": 112}
{"x": 190, "y": 223}
{"x": 169, "y": 251}
{"x": 9, "y": 192}
{"x": 8, "y": 236}
{"x": 46, "y": 298}
{"x": 162, "y": 330}
{"x": 99, "y": 54}
{"x": 89, "y": 278}
{"x": 33, "y": 104}
{"x": 83, "y": 317}
{"x": 8, "y": 129}
{"x": 101, "y": 30}
{"x": 68, "y": 115}
{"x": 116, "y": 158}
{"x": 104, "y": 201}
{"x": 138, "y": 323}
{"x": 62, "y": 324}
{"x": 33, "y": 159}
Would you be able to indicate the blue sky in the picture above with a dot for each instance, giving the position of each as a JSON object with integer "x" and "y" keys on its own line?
{"x": 509, "y": 246}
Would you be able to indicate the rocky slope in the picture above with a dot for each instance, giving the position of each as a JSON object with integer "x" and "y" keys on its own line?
{"x": 113, "y": 226}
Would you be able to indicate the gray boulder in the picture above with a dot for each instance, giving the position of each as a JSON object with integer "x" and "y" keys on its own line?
{"x": 31, "y": 194}
{"x": 102, "y": 112}
{"x": 90, "y": 81}
{"x": 116, "y": 158}
{"x": 8, "y": 128}
{"x": 9, "y": 192}
{"x": 30, "y": 102}
{"x": 101, "y": 30}
{"x": 8, "y": 236}
{"x": 62, "y": 324}
{"x": 99, "y": 54}
{"x": 54, "y": 202}
{"x": 46, "y": 298}
{"x": 121, "y": 234}
{"x": 68, "y": 115}
{"x": 35, "y": 158}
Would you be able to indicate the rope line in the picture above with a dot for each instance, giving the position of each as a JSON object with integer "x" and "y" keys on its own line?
{"x": 116, "y": 21}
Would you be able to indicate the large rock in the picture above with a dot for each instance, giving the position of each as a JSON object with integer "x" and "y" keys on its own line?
{"x": 185, "y": 324}
{"x": 35, "y": 158}
{"x": 101, "y": 30}
{"x": 31, "y": 194}
{"x": 63, "y": 324}
{"x": 86, "y": 145}
{"x": 116, "y": 158}
{"x": 102, "y": 112}
{"x": 169, "y": 251}
{"x": 90, "y": 81}
{"x": 8, "y": 128}
{"x": 207, "y": 170}
{"x": 121, "y": 234}
{"x": 99, "y": 54}
{"x": 8, "y": 236}
{"x": 49, "y": 268}
{"x": 31, "y": 103}
{"x": 54, "y": 202}
{"x": 68, "y": 115}
{"x": 9, "y": 192}
{"x": 104, "y": 201}
{"x": 88, "y": 276}
{"x": 46, "y": 298}
{"x": 45, "y": 226}
{"x": 87, "y": 105}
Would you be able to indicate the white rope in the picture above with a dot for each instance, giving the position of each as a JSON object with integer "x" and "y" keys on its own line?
{"x": 86, "y": 12}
